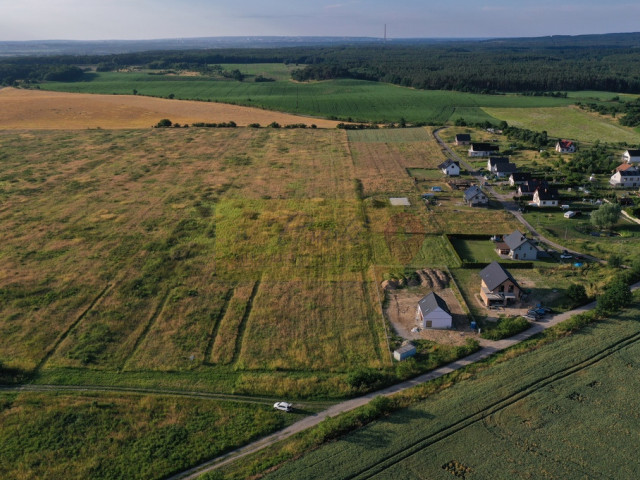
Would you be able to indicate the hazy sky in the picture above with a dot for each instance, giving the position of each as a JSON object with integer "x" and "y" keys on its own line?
{"x": 146, "y": 19}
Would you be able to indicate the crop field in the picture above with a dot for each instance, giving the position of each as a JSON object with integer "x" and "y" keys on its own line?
{"x": 343, "y": 99}
{"x": 104, "y": 436}
{"x": 563, "y": 411}
{"x": 29, "y": 109}
{"x": 568, "y": 123}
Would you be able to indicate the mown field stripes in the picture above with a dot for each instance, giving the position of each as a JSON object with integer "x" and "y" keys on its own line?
{"x": 224, "y": 345}
{"x": 147, "y": 327}
{"x": 243, "y": 324}
{"x": 216, "y": 325}
{"x": 75, "y": 323}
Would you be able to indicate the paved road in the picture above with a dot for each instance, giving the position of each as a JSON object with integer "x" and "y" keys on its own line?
{"x": 507, "y": 202}
{"x": 488, "y": 348}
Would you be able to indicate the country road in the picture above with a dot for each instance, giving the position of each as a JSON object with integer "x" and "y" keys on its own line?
{"x": 488, "y": 348}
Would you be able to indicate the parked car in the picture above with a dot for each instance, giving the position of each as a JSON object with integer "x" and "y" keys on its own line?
{"x": 565, "y": 255}
{"x": 284, "y": 406}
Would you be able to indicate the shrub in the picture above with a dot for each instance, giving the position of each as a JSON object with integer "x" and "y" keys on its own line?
{"x": 505, "y": 327}
{"x": 165, "y": 122}
{"x": 577, "y": 294}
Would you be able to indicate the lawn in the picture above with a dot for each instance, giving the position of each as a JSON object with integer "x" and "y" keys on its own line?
{"x": 568, "y": 122}
{"x": 539, "y": 411}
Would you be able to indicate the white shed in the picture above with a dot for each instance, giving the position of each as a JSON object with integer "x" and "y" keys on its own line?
{"x": 405, "y": 351}
{"x": 433, "y": 312}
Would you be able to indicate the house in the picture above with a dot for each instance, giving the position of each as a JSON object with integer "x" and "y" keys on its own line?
{"x": 530, "y": 186}
{"x": 474, "y": 197}
{"x": 482, "y": 149}
{"x": 631, "y": 156}
{"x": 450, "y": 168}
{"x": 625, "y": 178}
{"x": 546, "y": 197}
{"x": 433, "y": 312}
{"x": 405, "y": 351}
{"x": 498, "y": 286}
{"x": 463, "y": 139}
{"x": 565, "y": 146}
{"x": 517, "y": 246}
{"x": 493, "y": 161}
{"x": 504, "y": 169}
{"x": 518, "y": 178}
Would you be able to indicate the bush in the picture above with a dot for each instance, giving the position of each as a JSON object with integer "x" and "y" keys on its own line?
{"x": 503, "y": 328}
{"x": 365, "y": 378}
{"x": 164, "y": 123}
{"x": 617, "y": 295}
{"x": 577, "y": 294}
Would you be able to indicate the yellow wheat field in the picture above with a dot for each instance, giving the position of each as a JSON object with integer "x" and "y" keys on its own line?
{"x": 36, "y": 109}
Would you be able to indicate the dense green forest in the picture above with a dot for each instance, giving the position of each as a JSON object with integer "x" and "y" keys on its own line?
{"x": 596, "y": 62}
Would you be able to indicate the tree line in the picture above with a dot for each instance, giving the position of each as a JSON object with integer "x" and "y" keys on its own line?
{"x": 532, "y": 66}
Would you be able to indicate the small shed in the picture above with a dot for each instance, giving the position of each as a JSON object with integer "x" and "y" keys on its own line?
{"x": 405, "y": 351}
{"x": 433, "y": 312}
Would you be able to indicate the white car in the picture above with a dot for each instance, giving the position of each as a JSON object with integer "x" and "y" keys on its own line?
{"x": 284, "y": 406}
{"x": 565, "y": 256}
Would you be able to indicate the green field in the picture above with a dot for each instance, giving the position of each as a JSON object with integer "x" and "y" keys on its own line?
{"x": 566, "y": 410}
{"x": 341, "y": 99}
{"x": 104, "y": 436}
{"x": 570, "y": 123}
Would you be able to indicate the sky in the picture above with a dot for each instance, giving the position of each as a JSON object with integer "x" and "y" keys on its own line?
{"x": 150, "y": 19}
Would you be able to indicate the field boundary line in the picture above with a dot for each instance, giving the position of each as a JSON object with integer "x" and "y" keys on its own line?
{"x": 73, "y": 325}
{"x": 243, "y": 323}
{"x": 216, "y": 326}
{"x": 156, "y": 313}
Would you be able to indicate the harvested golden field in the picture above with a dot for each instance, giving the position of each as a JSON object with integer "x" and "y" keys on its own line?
{"x": 37, "y": 109}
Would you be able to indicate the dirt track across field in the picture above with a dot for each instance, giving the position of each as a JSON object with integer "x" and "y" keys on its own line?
{"x": 38, "y": 109}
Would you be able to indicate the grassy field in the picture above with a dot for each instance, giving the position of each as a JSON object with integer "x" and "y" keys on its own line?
{"x": 158, "y": 240}
{"x": 104, "y": 436}
{"x": 565, "y": 410}
{"x": 343, "y": 99}
{"x": 570, "y": 123}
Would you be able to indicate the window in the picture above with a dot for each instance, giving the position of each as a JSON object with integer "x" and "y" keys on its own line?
{"x": 428, "y": 323}
{"x": 510, "y": 288}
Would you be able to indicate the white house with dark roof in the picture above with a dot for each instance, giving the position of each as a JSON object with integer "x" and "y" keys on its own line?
{"x": 518, "y": 178}
{"x": 546, "y": 197}
{"x": 483, "y": 150}
{"x": 450, "y": 168}
{"x": 631, "y": 156}
{"x": 504, "y": 169}
{"x": 625, "y": 178}
{"x": 517, "y": 246}
{"x": 433, "y": 312}
{"x": 493, "y": 161}
{"x": 498, "y": 286}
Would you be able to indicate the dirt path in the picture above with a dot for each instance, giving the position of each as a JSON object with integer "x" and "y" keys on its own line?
{"x": 488, "y": 348}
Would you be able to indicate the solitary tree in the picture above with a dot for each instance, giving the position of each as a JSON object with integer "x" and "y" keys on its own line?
{"x": 606, "y": 216}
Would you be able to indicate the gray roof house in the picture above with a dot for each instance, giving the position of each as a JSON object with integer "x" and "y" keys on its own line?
{"x": 518, "y": 247}
{"x": 497, "y": 285}
{"x": 474, "y": 196}
{"x": 504, "y": 169}
{"x": 433, "y": 312}
{"x": 518, "y": 178}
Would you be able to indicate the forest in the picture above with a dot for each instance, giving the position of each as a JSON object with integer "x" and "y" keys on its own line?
{"x": 593, "y": 62}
